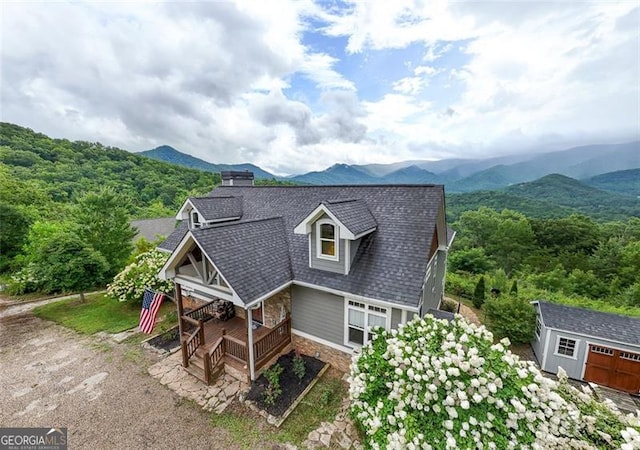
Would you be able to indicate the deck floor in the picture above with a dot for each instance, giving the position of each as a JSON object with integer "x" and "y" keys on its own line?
{"x": 235, "y": 327}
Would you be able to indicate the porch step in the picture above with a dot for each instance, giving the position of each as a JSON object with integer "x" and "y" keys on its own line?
{"x": 197, "y": 362}
{"x": 196, "y": 372}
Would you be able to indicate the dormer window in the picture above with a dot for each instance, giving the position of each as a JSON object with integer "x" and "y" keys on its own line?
{"x": 195, "y": 219}
{"x": 327, "y": 240}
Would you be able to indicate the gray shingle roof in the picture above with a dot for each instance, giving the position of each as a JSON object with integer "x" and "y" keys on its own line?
{"x": 253, "y": 256}
{"x": 219, "y": 208}
{"x": 150, "y": 229}
{"x": 594, "y": 323}
{"x": 353, "y": 214}
{"x": 390, "y": 263}
{"x": 174, "y": 238}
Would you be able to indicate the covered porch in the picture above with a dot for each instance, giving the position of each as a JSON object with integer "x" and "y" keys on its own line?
{"x": 211, "y": 343}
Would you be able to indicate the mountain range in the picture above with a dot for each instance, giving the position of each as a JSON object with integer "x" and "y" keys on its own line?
{"x": 460, "y": 175}
{"x": 171, "y": 155}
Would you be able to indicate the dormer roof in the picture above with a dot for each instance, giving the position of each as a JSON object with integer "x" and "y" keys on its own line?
{"x": 213, "y": 209}
{"x": 353, "y": 217}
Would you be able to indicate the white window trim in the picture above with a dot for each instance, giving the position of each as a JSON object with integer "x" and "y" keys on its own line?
{"x": 336, "y": 240}
{"x": 366, "y": 311}
{"x": 538, "y": 327}
{"x": 575, "y": 348}
{"x": 195, "y": 224}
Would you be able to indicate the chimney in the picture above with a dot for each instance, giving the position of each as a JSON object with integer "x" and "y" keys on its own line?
{"x": 237, "y": 178}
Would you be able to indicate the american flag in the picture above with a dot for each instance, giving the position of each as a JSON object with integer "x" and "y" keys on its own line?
{"x": 151, "y": 303}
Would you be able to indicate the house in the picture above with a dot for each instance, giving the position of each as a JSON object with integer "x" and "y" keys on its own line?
{"x": 589, "y": 345}
{"x": 312, "y": 266}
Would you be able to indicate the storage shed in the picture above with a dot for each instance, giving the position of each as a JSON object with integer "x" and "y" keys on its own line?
{"x": 589, "y": 345}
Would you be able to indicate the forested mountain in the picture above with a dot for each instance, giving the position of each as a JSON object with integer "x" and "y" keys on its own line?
{"x": 623, "y": 182}
{"x": 336, "y": 174}
{"x": 550, "y": 196}
{"x": 43, "y": 173}
{"x": 468, "y": 175}
{"x": 171, "y": 155}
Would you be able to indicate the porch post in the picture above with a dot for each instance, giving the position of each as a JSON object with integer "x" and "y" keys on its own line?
{"x": 180, "y": 307}
{"x": 252, "y": 366}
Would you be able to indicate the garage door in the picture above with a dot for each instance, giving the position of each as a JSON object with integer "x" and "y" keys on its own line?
{"x": 614, "y": 368}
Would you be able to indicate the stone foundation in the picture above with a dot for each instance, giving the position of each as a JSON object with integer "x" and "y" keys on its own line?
{"x": 277, "y": 307}
{"x": 337, "y": 358}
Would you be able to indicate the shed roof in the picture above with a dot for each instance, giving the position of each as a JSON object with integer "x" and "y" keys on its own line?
{"x": 606, "y": 326}
{"x": 150, "y": 229}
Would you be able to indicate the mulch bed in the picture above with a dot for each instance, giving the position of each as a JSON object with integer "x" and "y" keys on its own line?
{"x": 289, "y": 383}
{"x": 166, "y": 341}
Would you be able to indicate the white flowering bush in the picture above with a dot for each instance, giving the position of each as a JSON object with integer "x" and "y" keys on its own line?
{"x": 129, "y": 284}
{"x": 438, "y": 385}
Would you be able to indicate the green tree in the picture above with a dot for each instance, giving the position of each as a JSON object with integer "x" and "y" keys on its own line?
{"x": 506, "y": 236}
{"x": 514, "y": 288}
{"x": 510, "y": 317}
{"x": 103, "y": 220}
{"x": 15, "y": 228}
{"x": 471, "y": 260}
{"x": 65, "y": 263}
{"x": 479, "y": 293}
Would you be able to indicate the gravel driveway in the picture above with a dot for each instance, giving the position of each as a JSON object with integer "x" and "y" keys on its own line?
{"x": 99, "y": 390}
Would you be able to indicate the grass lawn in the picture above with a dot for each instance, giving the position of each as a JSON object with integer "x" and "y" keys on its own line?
{"x": 321, "y": 404}
{"x": 98, "y": 313}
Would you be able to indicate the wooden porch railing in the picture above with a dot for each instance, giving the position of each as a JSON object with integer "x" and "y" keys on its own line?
{"x": 214, "y": 356}
{"x": 195, "y": 340}
{"x": 236, "y": 349}
{"x": 204, "y": 312}
{"x": 228, "y": 346}
{"x": 272, "y": 342}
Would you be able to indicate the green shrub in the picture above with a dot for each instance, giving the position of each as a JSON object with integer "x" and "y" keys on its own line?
{"x": 438, "y": 385}
{"x": 449, "y": 305}
{"x": 299, "y": 367}
{"x": 459, "y": 285}
{"x": 479, "y": 293}
{"x": 510, "y": 317}
{"x": 273, "y": 389}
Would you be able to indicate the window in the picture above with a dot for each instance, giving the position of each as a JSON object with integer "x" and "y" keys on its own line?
{"x": 195, "y": 219}
{"x": 327, "y": 240}
{"x": 538, "y": 327}
{"x": 566, "y": 347}
{"x": 360, "y": 319}
{"x": 630, "y": 356}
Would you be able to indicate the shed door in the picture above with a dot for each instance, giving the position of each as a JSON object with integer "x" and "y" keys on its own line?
{"x": 614, "y": 368}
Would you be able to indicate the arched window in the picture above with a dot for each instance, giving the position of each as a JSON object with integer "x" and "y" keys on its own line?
{"x": 327, "y": 239}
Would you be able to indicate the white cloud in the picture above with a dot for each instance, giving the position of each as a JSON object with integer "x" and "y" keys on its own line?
{"x": 211, "y": 78}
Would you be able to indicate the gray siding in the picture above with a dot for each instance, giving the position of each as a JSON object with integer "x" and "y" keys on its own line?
{"x": 574, "y": 367}
{"x": 433, "y": 286}
{"x": 538, "y": 343}
{"x": 354, "y": 248}
{"x": 396, "y": 317}
{"x": 318, "y": 313}
{"x": 326, "y": 264}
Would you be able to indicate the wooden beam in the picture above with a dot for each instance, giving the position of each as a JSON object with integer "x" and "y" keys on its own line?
{"x": 252, "y": 366}
{"x": 178, "y": 290}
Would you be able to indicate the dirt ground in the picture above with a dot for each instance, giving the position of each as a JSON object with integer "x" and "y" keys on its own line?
{"x": 99, "y": 390}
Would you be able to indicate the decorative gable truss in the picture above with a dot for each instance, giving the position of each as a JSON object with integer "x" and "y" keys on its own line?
{"x": 195, "y": 271}
{"x": 195, "y": 265}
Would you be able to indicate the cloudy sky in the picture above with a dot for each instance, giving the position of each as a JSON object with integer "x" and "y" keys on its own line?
{"x": 298, "y": 86}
